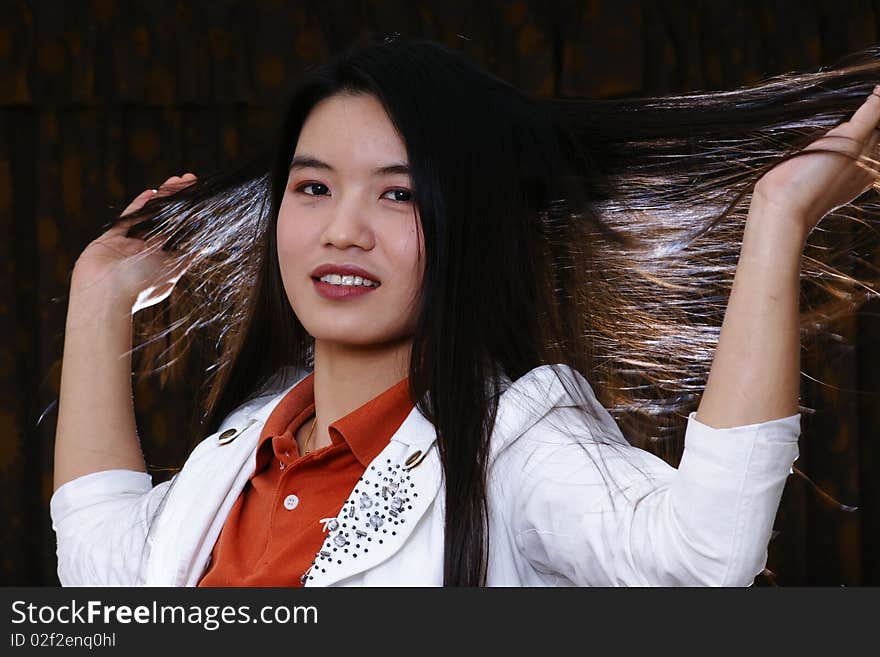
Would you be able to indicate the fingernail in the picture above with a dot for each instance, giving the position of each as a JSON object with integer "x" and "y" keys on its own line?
{"x": 877, "y": 89}
{"x": 155, "y": 191}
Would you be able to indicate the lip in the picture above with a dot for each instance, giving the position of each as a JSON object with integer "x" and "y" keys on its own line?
{"x": 344, "y": 269}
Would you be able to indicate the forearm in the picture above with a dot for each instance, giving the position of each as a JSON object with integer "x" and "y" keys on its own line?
{"x": 755, "y": 374}
{"x": 96, "y": 423}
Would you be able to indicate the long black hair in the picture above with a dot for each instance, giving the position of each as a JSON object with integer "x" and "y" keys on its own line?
{"x": 549, "y": 225}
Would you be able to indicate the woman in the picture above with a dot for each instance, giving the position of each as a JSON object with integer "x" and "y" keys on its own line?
{"x": 407, "y": 306}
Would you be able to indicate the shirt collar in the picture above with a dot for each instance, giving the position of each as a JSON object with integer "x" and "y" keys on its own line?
{"x": 366, "y": 429}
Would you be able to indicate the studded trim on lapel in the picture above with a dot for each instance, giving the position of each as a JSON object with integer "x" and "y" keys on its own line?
{"x": 409, "y": 470}
{"x": 385, "y": 506}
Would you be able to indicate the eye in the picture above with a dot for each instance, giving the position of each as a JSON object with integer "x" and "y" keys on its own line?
{"x": 407, "y": 195}
{"x": 318, "y": 185}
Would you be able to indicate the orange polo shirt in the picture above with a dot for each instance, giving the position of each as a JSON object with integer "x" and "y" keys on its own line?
{"x": 273, "y": 531}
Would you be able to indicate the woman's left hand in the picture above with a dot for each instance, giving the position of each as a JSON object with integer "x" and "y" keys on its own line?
{"x": 809, "y": 187}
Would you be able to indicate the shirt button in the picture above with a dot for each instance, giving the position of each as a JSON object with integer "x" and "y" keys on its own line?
{"x": 291, "y": 502}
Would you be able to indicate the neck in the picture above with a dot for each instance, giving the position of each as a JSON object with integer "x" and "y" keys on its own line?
{"x": 347, "y": 377}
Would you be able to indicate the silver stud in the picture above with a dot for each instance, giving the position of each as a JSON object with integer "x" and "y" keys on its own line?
{"x": 366, "y": 502}
{"x": 376, "y": 521}
{"x": 340, "y": 540}
{"x": 397, "y": 503}
{"x": 329, "y": 524}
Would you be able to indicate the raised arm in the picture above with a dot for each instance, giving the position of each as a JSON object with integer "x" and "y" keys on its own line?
{"x": 96, "y": 423}
{"x": 708, "y": 522}
{"x": 755, "y": 374}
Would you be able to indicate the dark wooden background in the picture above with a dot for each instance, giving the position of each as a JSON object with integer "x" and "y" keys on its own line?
{"x": 100, "y": 99}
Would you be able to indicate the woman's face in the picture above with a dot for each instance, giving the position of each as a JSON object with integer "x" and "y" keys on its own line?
{"x": 341, "y": 209}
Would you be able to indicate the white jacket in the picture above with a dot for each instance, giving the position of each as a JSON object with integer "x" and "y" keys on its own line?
{"x": 553, "y": 517}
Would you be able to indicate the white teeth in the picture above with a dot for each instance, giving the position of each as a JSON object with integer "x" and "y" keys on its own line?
{"x": 338, "y": 279}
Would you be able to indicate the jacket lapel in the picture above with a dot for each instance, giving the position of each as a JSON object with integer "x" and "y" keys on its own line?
{"x": 404, "y": 480}
{"x": 382, "y": 511}
{"x": 202, "y": 495}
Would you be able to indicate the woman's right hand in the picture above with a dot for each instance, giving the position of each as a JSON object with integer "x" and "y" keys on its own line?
{"x": 111, "y": 268}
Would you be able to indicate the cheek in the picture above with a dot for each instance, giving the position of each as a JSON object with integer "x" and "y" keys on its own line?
{"x": 402, "y": 248}
{"x": 291, "y": 251}
{"x": 292, "y": 235}
{"x": 284, "y": 226}
{"x": 404, "y": 251}
{"x": 414, "y": 249}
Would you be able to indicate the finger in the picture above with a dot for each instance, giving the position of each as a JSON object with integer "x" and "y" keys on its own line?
{"x": 176, "y": 183}
{"x": 186, "y": 177}
{"x": 122, "y": 227}
{"x": 170, "y": 186}
{"x": 872, "y": 154}
{"x": 871, "y": 144}
{"x": 866, "y": 118}
{"x": 139, "y": 201}
{"x": 169, "y": 182}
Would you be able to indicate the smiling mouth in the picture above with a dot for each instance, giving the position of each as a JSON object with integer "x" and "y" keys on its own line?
{"x": 347, "y": 281}
{"x": 340, "y": 292}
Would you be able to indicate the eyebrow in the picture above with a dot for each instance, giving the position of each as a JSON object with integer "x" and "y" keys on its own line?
{"x": 307, "y": 161}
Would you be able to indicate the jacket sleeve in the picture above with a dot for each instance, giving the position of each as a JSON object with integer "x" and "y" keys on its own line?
{"x": 101, "y": 522}
{"x": 600, "y": 514}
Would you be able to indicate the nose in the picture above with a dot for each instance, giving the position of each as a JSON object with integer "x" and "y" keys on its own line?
{"x": 349, "y": 225}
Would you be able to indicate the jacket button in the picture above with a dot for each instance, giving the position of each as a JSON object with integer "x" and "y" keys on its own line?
{"x": 227, "y": 436}
{"x": 413, "y": 457}
{"x": 291, "y": 502}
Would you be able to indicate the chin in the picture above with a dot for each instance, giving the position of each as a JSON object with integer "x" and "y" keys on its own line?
{"x": 353, "y": 338}
{"x": 347, "y": 341}
{"x": 341, "y": 334}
